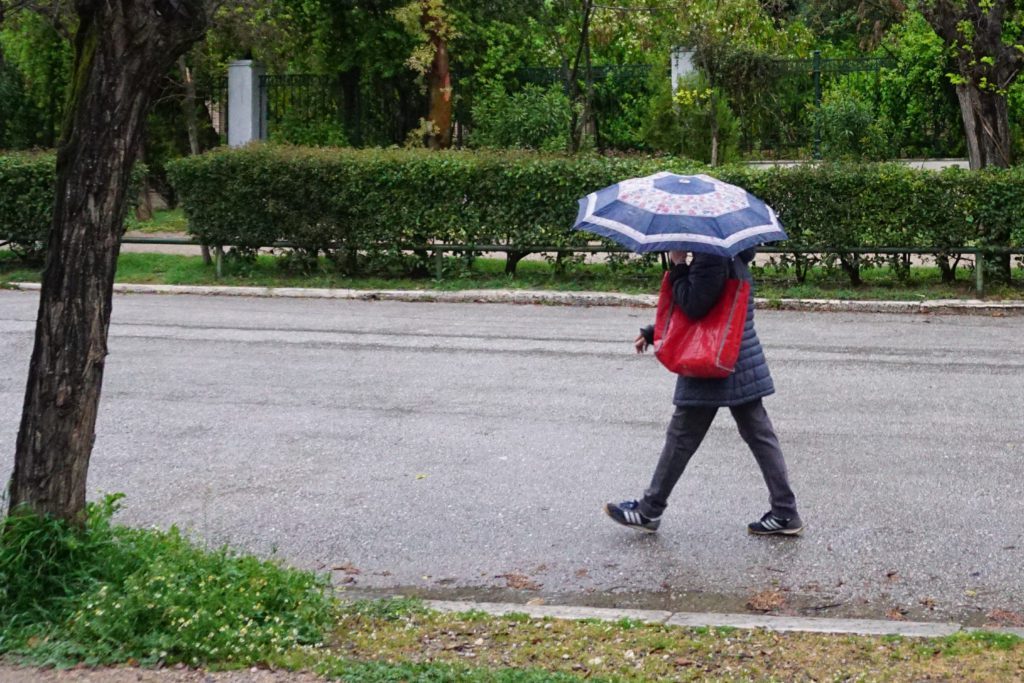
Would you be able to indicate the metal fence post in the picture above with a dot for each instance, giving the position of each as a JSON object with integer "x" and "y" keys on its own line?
{"x": 979, "y": 273}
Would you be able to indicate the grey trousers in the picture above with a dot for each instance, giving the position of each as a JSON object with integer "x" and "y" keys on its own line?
{"x": 687, "y": 429}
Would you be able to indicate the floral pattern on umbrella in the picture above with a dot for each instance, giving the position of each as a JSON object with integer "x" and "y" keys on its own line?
{"x": 665, "y": 211}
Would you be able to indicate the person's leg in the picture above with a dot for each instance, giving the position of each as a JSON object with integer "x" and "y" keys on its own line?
{"x": 756, "y": 429}
{"x": 685, "y": 432}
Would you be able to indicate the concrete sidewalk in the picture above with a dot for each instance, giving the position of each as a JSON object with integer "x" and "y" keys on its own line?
{"x": 562, "y": 298}
{"x": 863, "y": 627}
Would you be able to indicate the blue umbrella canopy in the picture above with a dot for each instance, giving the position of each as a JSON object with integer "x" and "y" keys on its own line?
{"x": 665, "y": 212}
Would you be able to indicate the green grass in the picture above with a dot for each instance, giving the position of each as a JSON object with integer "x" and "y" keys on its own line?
{"x": 107, "y": 595}
{"x": 172, "y": 220}
{"x": 772, "y": 283}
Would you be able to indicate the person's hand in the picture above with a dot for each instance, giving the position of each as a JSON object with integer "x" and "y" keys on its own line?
{"x": 640, "y": 344}
{"x": 677, "y": 257}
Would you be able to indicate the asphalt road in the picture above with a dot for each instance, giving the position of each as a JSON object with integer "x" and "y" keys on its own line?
{"x": 459, "y": 450}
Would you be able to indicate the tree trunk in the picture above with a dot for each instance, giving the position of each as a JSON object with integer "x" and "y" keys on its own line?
{"x": 512, "y": 259}
{"x": 714, "y": 129}
{"x": 188, "y": 106}
{"x": 947, "y": 267}
{"x": 987, "y": 129}
{"x": 986, "y": 126}
{"x": 122, "y": 50}
{"x": 576, "y": 121}
{"x": 850, "y": 263}
{"x": 440, "y": 84}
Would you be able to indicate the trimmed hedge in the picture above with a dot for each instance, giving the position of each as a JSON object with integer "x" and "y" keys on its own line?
{"x": 371, "y": 202}
{"x": 353, "y": 204}
{"x": 27, "y": 188}
{"x": 26, "y": 203}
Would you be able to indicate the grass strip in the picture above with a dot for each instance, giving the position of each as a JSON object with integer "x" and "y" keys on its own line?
{"x": 773, "y": 283}
{"x": 630, "y": 651}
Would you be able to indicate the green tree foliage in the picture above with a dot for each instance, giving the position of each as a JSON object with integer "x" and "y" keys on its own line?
{"x": 850, "y": 129}
{"x": 916, "y": 95}
{"x": 532, "y": 118}
{"x": 986, "y": 40}
{"x": 34, "y": 69}
{"x": 678, "y": 124}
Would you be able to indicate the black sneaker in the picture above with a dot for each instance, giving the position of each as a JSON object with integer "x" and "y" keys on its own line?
{"x": 627, "y": 513}
{"x": 770, "y": 525}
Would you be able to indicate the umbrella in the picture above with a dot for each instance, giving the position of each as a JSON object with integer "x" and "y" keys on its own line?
{"x": 665, "y": 212}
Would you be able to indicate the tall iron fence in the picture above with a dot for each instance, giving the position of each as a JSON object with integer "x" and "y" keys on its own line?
{"x": 345, "y": 109}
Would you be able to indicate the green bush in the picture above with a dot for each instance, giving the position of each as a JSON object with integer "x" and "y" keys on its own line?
{"x": 107, "y": 594}
{"x": 533, "y": 118}
{"x": 357, "y": 205}
{"x": 26, "y": 203}
{"x": 679, "y": 123}
{"x": 311, "y": 131}
{"x": 851, "y": 130}
{"x": 27, "y": 182}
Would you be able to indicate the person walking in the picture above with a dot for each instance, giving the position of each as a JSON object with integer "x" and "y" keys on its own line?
{"x": 696, "y": 287}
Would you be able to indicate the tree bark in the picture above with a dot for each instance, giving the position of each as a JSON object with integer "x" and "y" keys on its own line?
{"x": 987, "y": 130}
{"x": 986, "y": 127}
{"x": 440, "y": 85}
{"x": 988, "y": 65}
{"x": 122, "y": 49}
{"x": 576, "y": 121}
{"x": 713, "y": 123}
{"x": 188, "y": 106}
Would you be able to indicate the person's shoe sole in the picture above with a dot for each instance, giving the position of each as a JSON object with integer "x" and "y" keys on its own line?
{"x": 608, "y": 512}
{"x": 780, "y": 532}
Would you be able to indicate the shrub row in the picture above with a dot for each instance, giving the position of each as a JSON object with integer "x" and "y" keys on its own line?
{"x": 26, "y": 202}
{"x": 362, "y": 200}
{"x": 352, "y": 204}
{"x": 355, "y": 204}
{"x": 27, "y": 182}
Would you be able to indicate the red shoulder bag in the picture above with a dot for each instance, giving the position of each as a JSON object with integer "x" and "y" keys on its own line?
{"x": 707, "y": 347}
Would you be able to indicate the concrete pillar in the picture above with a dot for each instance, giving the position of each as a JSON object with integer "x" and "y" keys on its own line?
{"x": 247, "y": 108}
{"x": 682, "y": 65}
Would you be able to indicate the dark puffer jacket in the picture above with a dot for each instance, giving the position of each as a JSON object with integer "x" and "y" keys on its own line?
{"x": 696, "y": 287}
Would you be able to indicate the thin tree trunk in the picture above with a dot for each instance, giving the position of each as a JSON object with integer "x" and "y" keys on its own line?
{"x": 512, "y": 259}
{"x": 121, "y": 50}
{"x": 714, "y": 129}
{"x": 440, "y": 84}
{"x": 188, "y": 106}
{"x": 850, "y": 263}
{"x": 576, "y": 122}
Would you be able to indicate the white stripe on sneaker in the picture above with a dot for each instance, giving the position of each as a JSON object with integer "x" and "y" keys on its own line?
{"x": 771, "y": 524}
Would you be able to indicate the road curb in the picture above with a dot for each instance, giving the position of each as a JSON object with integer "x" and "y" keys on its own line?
{"x": 541, "y": 297}
{"x": 866, "y": 627}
